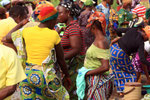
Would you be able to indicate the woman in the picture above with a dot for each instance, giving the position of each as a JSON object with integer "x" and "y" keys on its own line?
{"x": 98, "y": 78}
{"x": 2, "y": 13}
{"x": 124, "y": 15}
{"x": 42, "y": 82}
{"x": 131, "y": 42}
{"x": 83, "y": 21}
{"x": 72, "y": 41}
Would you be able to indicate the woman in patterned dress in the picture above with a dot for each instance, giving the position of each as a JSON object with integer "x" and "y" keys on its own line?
{"x": 42, "y": 83}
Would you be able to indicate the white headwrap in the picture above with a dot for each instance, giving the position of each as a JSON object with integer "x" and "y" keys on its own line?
{"x": 4, "y": 2}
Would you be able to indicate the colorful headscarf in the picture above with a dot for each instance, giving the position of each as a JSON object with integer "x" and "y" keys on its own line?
{"x": 45, "y": 11}
{"x": 74, "y": 10}
{"x": 147, "y": 31}
{"x": 147, "y": 13}
{"x": 97, "y": 16}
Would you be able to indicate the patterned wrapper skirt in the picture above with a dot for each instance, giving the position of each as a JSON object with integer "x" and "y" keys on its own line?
{"x": 39, "y": 87}
{"x": 99, "y": 87}
{"x": 73, "y": 65}
{"x": 122, "y": 67}
{"x": 137, "y": 63}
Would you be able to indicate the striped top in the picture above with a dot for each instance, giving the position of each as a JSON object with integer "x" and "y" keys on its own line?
{"x": 73, "y": 29}
{"x": 140, "y": 10}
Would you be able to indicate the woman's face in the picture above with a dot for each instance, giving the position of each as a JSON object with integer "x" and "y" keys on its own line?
{"x": 63, "y": 14}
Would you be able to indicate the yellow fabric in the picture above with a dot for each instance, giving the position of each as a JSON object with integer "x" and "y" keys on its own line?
{"x": 93, "y": 56}
{"x": 11, "y": 70}
{"x": 6, "y": 25}
{"x": 39, "y": 42}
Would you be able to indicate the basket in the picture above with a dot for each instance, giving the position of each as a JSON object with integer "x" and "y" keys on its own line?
{"x": 132, "y": 91}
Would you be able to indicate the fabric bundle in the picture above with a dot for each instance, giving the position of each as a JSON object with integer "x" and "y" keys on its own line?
{"x": 45, "y": 11}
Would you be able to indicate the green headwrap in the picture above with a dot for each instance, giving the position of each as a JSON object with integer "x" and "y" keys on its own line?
{"x": 88, "y": 3}
{"x": 147, "y": 13}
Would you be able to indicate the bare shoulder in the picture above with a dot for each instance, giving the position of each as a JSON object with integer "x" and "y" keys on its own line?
{"x": 103, "y": 44}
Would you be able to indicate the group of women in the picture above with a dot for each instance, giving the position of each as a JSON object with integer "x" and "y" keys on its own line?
{"x": 54, "y": 64}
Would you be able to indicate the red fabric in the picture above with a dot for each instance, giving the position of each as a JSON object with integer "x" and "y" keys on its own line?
{"x": 46, "y": 10}
{"x": 139, "y": 10}
{"x": 73, "y": 29}
{"x": 118, "y": 8}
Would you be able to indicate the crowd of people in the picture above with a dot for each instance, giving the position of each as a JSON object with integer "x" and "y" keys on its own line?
{"x": 73, "y": 51}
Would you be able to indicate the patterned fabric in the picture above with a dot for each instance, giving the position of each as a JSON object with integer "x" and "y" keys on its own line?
{"x": 113, "y": 20}
{"x": 73, "y": 29}
{"x": 43, "y": 76}
{"x": 73, "y": 65}
{"x": 97, "y": 16}
{"x": 41, "y": 87}
{"x": 99, "y": 87}
{"x": 45, "y": 11}
{"x": 74, "y": 10}
{"x": 122, "y": 67}
{"x": 137, "y": 63}
{"x": 123, "y": 16}
{"x": 139, "y": 10}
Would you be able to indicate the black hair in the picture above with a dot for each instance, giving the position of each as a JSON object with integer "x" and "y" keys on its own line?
{"x": 73, "y": 8}
{"x": 17, "y": 10}
{"x": 98, "y": 25}
{"x": 2, "y": 13}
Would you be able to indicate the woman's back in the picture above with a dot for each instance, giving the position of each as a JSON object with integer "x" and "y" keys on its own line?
{"x": 38, "y": 43}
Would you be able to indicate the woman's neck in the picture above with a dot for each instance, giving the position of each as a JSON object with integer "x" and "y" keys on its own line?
{"x": 69, "y": 20}
{"x": 41, "y": 25}
{"x": 104, "y": 4}
{"x": 99, "y": 35}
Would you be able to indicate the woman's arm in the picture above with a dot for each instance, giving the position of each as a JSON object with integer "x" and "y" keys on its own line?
{"x": 62, "y": 64}
{"x": 103, "y": 68}
{"x": 76, "y": 44}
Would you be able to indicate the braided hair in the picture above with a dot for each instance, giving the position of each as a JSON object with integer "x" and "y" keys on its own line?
{"x": 74, "y": 9}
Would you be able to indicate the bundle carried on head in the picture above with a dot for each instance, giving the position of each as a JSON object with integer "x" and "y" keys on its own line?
{"x": 45, "y": 11}
{"x": 74, "y": 10}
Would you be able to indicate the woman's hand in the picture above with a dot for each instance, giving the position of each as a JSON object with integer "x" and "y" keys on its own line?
{"x": 23, "y": 22}
{"x": 114, "y": 41}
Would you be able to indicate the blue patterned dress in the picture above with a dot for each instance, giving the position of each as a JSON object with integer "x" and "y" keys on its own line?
{"x": 122, "y": 67}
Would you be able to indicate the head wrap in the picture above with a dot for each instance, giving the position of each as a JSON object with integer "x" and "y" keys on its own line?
{"x": 97, "y": 16}
{"x": 147, "y": 31}
{"x": 4, "y": 2}
{"x": 147, "y": 13}
{"x": 74, "y": 10}
{"x": 88, "y": 2}
{"x": 45, "y": 11}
